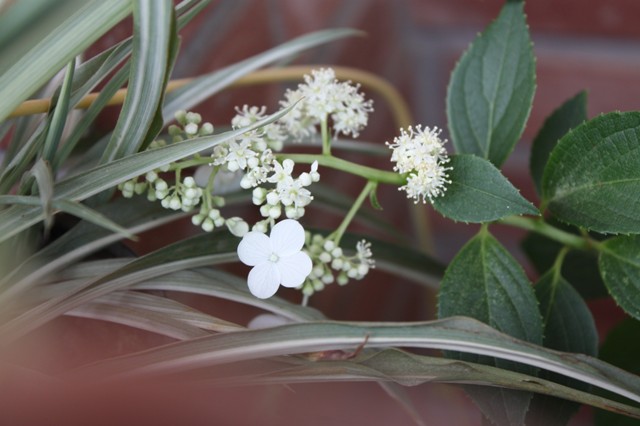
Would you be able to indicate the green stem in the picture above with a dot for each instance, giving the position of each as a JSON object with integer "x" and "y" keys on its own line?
{"x": 190, "y": 163}
{"x": 338, "y": 233}
{"x": 541, "y": 227}
{"x": 369, "y": 173}
{"x": 326, "y": 141}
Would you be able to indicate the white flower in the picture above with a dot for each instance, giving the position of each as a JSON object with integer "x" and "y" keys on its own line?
{"x": 321, "y": 96}
{"x": 421, "y": 153}
{"x": 276, "y": 259}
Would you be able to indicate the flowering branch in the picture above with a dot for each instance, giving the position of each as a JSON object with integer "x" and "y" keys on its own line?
{"x": 369, "y": 173}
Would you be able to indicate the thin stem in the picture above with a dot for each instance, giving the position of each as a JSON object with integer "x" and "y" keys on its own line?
{"x": 543, "y": 228}
{"x": 369, "y": 173}
{"x": 338, "y": 233}
{"x": 326, "y": 138}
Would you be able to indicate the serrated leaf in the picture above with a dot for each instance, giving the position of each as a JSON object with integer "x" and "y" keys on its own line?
{"x": 568, "y": 327}
{"x": 491, "y": 88}
{"x": 478, "y": 192}
{"x": 620, "y": 270}
{"x": 592, "y": 178}
{"x": 484, "y": 282}
{"x": 568, "y": 116}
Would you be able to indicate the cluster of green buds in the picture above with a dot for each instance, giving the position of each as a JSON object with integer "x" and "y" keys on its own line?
{"x": 331, "y": 264}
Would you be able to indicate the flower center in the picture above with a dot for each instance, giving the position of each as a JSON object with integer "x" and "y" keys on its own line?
{"x": 273, "y": 258}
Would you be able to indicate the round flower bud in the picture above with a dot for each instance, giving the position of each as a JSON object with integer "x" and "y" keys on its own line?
{"x": 207, "y": 225}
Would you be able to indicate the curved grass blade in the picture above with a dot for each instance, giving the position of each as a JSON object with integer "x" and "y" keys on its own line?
{"x": 56, "y": 49}
{"x": 454, "y": 334}
{"x": 205, "y": 86}
{"x": 393, "y": 365}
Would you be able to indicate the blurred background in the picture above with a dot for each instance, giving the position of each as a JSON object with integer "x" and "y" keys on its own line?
{"x": 591, "y": 45}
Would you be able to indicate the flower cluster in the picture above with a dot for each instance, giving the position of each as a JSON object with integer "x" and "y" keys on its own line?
{"x": 289, "y": 193}
{"x": 421, "y": 153}
{"x": 322, "y": 96}
{"x": 331, "y": 264}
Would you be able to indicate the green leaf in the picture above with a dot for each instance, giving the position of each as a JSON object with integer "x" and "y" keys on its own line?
{"x": 41, "y": 172}
{"x": 59, "y": 115}
{"x": 484, "y": 282}
{"x": 622, "y": 349}
{"x": 568, "y": 327}
{"x": 568, "y": 116}
{"x": 150, "y": 57}
{"x": 491, "y": 88}
{"x": 592, "y": 178}
{"x": 620, "y": 270}
{"x": 478, "y": 193}
{"x": 56, "y": 49}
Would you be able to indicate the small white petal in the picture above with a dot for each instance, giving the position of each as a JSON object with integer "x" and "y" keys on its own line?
{"x": 254, "y": 248}
{"x": 264, "y": 280}
{"x": 287, "y": 237}
{"x": 294, "y": 269}
{"x": 267, "y": 321}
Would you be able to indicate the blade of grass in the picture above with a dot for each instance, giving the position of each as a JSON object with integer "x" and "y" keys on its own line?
{"x": 56, "y": 49}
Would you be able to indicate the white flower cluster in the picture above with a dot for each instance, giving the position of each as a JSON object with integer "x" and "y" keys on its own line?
{"x": 421, "y": 153}
{"x": 189, "y": 126}
{"x": 329, "y": 259}
{"x": 322, "y": 96}
{"x": 158, "y": 189}
{"x": 289, "y": 193}
{"x": 252, "y": 152}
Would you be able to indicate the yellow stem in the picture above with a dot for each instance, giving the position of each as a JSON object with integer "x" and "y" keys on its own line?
{"x": 398, "y": 106}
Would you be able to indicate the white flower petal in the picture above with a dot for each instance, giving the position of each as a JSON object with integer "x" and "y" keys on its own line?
{"x": 264, "y": 280}
{"x": 267, "y": 321}
{"x": 254, "y": 248}
{"x": 294, "y": 269}
{"x": 287, "y": 237}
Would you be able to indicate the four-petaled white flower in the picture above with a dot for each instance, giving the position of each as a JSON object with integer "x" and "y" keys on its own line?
{"x": 276, "y": 259}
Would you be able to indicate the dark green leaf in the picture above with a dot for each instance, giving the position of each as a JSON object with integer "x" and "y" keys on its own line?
{"x": 622, "y": 349}
{"x": 568, "y": 116}
{"x": 478, "y": 192}
{"x": 484, "y": 282}
{"x": 568, "y": 327}
{"x": 592, "y": 178}
{"x": 620, "y": 269}
{"x": 492, "y": 87}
